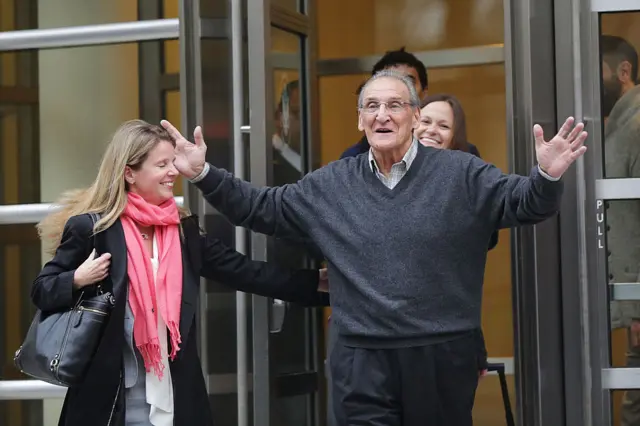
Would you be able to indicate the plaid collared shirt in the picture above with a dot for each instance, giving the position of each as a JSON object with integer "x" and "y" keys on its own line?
{"x": 398, "y": 170}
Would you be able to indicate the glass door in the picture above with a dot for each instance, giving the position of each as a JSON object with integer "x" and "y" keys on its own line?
{"x": 610, "y": 97}
{"x": 286, "y": 354}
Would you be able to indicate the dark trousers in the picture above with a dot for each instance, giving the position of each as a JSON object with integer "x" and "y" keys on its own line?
{"x": 431, "y": 385}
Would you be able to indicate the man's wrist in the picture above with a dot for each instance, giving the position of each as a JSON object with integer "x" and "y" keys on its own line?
{"x": 546, "y": 175}
{"x": 202, "y": 174}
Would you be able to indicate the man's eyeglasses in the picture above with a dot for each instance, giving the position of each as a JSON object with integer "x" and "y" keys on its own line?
{"x": 394, "y": 107}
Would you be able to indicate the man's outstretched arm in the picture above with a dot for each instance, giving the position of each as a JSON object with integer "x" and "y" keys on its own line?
{"x": 264, "y": 210}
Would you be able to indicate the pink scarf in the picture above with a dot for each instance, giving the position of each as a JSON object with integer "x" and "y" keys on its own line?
{"x": 165, "y": 295}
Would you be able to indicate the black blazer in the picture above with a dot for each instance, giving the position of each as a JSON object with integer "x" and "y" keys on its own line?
{"x": 99, "y": 400}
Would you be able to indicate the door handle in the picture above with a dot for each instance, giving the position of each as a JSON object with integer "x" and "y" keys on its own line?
{"x": 277, "y": 315}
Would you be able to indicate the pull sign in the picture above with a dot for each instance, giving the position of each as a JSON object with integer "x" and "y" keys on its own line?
{"x": 600, "y": 222}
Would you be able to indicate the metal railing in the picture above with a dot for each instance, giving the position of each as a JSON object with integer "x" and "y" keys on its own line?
{"x": 29, "y": 389}
{"x": 14, "y": 214}
{"x": 122, "y": 32}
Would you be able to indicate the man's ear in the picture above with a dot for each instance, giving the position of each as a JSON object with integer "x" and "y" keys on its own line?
{"x": 624, "y": 72}
{"x": 416, "y": 119}
{"x": 360, "y": 125}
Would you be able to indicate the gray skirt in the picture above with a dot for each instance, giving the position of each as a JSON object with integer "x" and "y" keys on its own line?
{"x": 137, "y": 408}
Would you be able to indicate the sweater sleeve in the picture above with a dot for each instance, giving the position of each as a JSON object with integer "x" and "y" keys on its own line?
{"x": 277, "y": 211}
{"x": 510, "y": 200}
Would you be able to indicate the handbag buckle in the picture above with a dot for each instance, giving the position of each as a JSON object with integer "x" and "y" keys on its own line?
{"x": 55, "y": 362}
{"x": 110, "y": 299}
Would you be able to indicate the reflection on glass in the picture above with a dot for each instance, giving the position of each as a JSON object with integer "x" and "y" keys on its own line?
{"x": 287, "y": 136}
{"x": 620, "y": 95}
{"x": 419, "y": 25}
{"x": 290, "y": 345}
{"x": 619, "y": 43}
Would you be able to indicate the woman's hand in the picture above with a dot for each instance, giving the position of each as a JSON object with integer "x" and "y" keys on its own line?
{"x": 92, "y": 270}
{"x": 323, "y": 282}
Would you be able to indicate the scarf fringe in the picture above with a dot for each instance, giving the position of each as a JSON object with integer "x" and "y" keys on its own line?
{"x": 152, "y": 357}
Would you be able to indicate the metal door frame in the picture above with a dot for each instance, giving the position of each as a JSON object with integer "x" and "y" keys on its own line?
{"x": 535, "y": 250}
{"x": 588, "y": 376}
{"x": 599, "y": 377}
{"x": 262, "y": 15}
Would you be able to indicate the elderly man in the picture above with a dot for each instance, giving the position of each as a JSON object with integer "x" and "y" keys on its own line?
{"x": 405, "y": 231}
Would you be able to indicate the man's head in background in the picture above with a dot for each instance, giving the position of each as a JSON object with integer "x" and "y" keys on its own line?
{"x": 288, "y": 123}
{"x": 619, "y": 70}
{"x": 406, "y": 63}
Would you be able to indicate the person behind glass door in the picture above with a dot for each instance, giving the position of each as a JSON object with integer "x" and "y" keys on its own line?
{"x": 619, "y": 70}
{"x": 621, "y": 112}
{"x": 150, "y": 253}
{"x": 288, "y": 168}
{"x": 407, "y": 256}
{"x": 287, "y": 140}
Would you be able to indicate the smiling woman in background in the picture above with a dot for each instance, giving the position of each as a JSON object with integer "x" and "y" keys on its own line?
{"x": 443, "y": 124}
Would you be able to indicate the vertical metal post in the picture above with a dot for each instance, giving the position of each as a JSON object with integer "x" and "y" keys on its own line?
{"x": 572, "y": 221}
{"x": 261, "y": 101}
{"x": 535, "y": 250}
{"x": 237, "y": 79}
{"x": 150, "y": 63}
{"x": 191, "y": 114}
{"x": 595, "y": 297}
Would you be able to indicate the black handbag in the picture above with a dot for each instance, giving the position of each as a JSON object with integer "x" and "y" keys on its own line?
{"x": 59, "y": 345}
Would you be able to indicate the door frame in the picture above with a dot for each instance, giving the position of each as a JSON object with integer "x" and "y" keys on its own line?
{"x": 588, "y": 375}
{"x": 262, "y": 16}
{"x": 600, "y": 378}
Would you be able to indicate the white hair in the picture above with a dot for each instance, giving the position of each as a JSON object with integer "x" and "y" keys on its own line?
{"x": 414, "y": 99}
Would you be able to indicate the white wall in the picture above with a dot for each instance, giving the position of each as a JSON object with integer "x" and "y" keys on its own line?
{"x": 85, "y": 93}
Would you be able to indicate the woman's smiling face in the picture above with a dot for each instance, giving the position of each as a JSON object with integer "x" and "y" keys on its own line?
{"x": 436, "y": 125}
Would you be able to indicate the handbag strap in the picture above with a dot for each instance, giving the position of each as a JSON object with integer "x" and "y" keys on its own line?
{"x": 95, "y": 217}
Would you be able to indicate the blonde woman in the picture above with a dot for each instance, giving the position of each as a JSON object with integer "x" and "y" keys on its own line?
{"x": 150, "y": 254}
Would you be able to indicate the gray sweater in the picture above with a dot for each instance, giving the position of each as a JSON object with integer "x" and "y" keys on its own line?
{"x": 406, "y": 265}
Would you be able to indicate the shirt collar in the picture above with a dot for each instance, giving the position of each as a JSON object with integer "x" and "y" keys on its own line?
{"x": 408, "y": 158}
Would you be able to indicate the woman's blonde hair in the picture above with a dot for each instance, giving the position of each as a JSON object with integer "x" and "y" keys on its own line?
{"x": 129, "y": 146}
